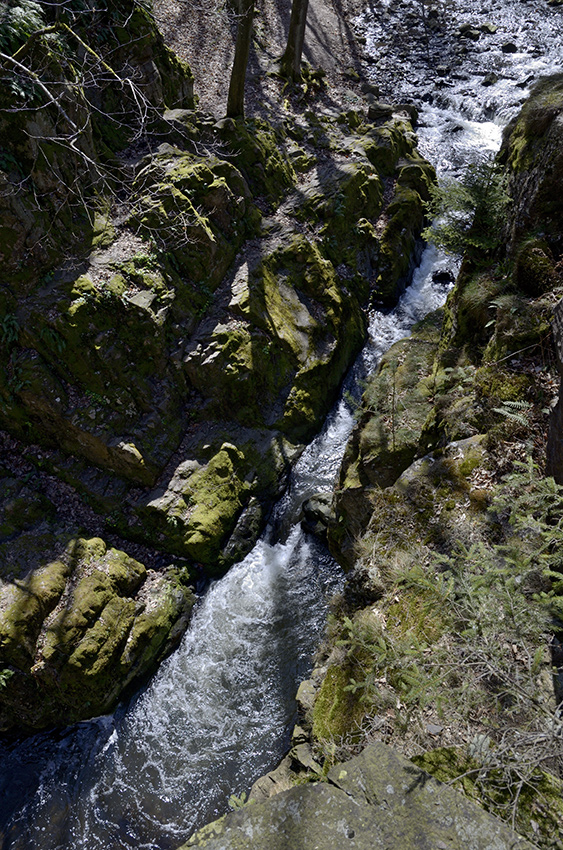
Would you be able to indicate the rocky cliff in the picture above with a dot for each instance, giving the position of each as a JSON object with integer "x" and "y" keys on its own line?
{"x": 446, "y": 641}
{"x": 182, "y": 297}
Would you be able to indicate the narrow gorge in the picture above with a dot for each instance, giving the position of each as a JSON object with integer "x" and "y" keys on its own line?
{"x": 241, "y": 396}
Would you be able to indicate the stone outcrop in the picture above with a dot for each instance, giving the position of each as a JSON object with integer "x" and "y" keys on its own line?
{"x": 437, "y": 486}
{"x": 376, "y": 800}
{"x": 498, "y": 310}
{"x": 388, "y": 435}
{"x": 80, "y": 622}
{"x": 182, "y": 299}
{"x": 190, "y": 349}
{"x": 532, "y": 152}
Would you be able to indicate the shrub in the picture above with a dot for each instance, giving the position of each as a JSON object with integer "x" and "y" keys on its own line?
{"x": 469, "y": 213}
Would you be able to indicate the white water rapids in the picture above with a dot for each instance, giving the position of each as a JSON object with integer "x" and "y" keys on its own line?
{"x": 218, "y": 713}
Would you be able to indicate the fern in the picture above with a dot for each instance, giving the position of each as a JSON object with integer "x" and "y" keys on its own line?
{"x": 517, "y": 411}
{"x": 9, "y": 329}
{"x": 238, "y": 802}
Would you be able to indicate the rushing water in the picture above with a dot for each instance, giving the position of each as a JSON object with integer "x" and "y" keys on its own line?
{"x": 219, "y": 712}
{"x": 466, "y": 90}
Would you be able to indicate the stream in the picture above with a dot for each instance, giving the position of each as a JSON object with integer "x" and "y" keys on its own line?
{"x": 219, "y": 712}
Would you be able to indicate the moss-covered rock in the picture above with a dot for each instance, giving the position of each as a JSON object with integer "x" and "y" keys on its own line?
{"x": 540, "y": 810}
{"x": 279, "y": 357}
{"x": 535, "y": 271}
{"x": 199, "y": 210}
{"x": 395, "y": 405}
{"x": 79, "y": 623}
{"x": 200, "y": 507}
{"x": 43, "y": 213}
{"x": 533, "y": 153}
{"x": 257, "y": 151}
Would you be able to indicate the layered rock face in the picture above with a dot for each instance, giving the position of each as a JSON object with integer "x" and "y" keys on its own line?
{"x": 182, "y": 299}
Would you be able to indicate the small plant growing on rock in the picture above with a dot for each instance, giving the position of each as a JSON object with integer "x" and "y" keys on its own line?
{"x": 457, "y": 650}
{"x": 236, "y": 802}
{"x": 9, "y": 329}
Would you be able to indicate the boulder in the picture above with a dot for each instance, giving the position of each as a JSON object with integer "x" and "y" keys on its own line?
{"x": 318, "y": 514}
{"x": 377, "y": 800}
{"x": 80, "y": 622}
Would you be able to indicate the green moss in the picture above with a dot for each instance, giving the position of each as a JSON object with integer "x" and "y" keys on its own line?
{"x": 539, "y": 815}
{"x": 527, "y": 131}
{"x": 281, "y": 365}
{"x": 470, "y": 309}
{"x": 495, "y": 384}
{"x": 396, "y": 404}
{"x": 197, "y": 209}
{"x": 255, "y": 147}
{"x": 356, "y": 196}
{"x": 404, "y": 222}
{"x": 519, "y": 325}
{"x": 26, "y": 602}
{"x": 72, "y": 632}
{"x": 385, "y": 145}
{"x": 534, "y": 272}
{"x": 216, "y": 493}
{"x": 335, "y": 710}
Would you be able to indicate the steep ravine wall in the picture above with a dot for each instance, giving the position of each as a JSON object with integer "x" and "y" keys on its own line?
{"x": 445, "y": 641}
{"x": 182, "y": 298}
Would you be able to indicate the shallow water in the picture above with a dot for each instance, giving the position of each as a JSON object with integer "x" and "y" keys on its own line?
{"x": 466, "y": 90}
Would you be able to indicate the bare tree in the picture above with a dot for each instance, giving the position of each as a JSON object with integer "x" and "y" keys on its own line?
{"x": 235, "y": 100}
{"x": 291, "y": 59}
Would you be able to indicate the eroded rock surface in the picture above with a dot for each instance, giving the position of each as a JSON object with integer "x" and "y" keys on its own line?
{"x": 377, "y": 800}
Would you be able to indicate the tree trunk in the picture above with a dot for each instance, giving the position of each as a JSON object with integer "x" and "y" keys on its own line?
{"x": 235, "y": 100}
{"x": 291, "y": 59}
